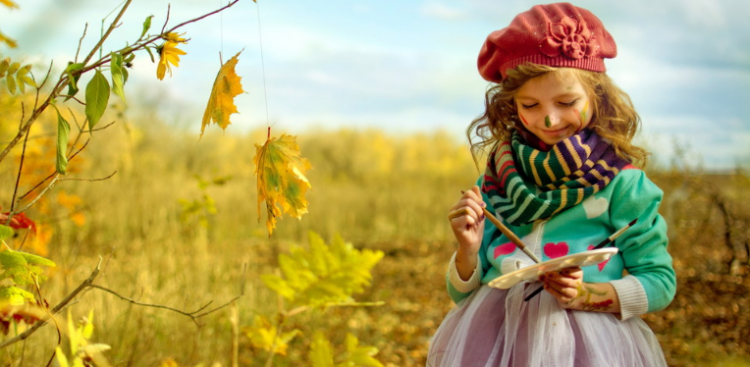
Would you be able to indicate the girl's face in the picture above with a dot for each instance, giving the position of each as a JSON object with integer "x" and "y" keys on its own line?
{"x": 554, "y": 106}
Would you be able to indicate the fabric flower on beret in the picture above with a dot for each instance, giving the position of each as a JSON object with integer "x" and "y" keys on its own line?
{"x": 571, "y": 38}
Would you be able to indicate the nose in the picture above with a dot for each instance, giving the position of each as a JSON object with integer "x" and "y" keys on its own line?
{"x": 551, "y": 119}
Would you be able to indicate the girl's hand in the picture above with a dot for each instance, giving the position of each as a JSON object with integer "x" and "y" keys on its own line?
{"x": 565, "y": 285}
{"x": 467, "y": 220}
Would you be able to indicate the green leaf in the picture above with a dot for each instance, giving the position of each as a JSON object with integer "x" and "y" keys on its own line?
{"x": 97, "y": 96}
{"x": 323, "y": 275}
{"x": 73, "y": 71}
{"x": 148, "y": 49}
{"x": 63, "y": 129}
{"x": 5, "y": 232}
{"x": 320, "y": 351}
{"x": 36, "y": 260}
{"x": 21, "y": 267}
{"x": 15, "y": 296}
{"x": 118, "y": 79}
{"x": 146, "y": 25}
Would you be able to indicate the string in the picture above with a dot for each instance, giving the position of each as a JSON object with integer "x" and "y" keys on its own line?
{"x": 263, "y": 66}
{"x": 221, "y": 30}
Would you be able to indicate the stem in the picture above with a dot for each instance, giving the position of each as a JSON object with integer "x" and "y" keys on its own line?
{"x": 111, "y": 28}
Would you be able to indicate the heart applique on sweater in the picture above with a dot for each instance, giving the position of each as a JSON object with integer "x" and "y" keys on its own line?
{"x": 601, "y": 264}
{"x": 504, "y": 249}
{"x": 555, "y": 250}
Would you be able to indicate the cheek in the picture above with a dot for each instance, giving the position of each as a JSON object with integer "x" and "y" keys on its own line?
{"x": 523, "y": 119}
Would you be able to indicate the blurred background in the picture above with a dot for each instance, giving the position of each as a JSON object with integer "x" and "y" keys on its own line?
{"x": 379, "y": 95}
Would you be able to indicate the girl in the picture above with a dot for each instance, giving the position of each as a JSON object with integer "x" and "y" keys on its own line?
{"x": 560, "y": 176}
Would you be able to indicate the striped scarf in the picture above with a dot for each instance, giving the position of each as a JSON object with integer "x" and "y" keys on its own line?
{"x": 525, "y": 184}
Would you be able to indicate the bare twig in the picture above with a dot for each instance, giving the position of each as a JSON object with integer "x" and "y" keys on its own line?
{"x": 169, "y": 8}
{"x": 112, "y": 27}
{"x": 85, "y": 284}
{"x": 89, "y": 179}
{"x": 80, "y": 41}
{"x": 18, "y": 180}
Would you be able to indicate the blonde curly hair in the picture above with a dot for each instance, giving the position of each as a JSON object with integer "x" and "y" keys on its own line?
{"x": 614, "y": 117}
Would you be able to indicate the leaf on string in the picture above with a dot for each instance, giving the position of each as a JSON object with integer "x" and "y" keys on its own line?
{"x": 262, "y": 335}
{"x": 281, "y": 180}
{"x": 323, "y": 275}
{"x": 97, "y": 97}
{"x": 221, "y": 102}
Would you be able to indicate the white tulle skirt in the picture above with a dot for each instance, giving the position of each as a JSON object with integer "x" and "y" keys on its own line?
{"x": 494, "y": 327}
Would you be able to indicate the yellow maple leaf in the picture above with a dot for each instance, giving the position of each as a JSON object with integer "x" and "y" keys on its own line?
{"x": 221, "y": 103}
{"x": 280, "y": 172}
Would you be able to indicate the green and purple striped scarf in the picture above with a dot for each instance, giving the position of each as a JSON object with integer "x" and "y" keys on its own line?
{"x": 525, "y": 184}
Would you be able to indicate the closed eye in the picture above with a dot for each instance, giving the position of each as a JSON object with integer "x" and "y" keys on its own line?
{"x": 569, "y": 104}
{"x": 527, "y": 106}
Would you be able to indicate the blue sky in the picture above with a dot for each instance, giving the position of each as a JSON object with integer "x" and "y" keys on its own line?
{"x": 410, "y": 66}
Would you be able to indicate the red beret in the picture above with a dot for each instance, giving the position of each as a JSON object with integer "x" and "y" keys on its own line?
{"x": 560, "y": 35}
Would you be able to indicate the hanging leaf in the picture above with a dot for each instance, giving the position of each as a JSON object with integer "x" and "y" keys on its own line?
{"x": 73, "y": 71}
{"x": 221, "y": 103}
{"x": 63, "y": 129}
{"x": 280, "y": 172}
{"x": 118, "y": 78}
{"x": 323, "y": 275}
{"x": 97, "y": 96}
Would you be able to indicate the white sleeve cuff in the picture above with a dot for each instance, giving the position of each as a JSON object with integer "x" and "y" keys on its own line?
{"x": 632, "y": 296}
{"x": 459, "y": 284}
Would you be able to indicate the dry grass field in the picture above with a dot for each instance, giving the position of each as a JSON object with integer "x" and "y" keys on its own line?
{"x": 377, "y": 191}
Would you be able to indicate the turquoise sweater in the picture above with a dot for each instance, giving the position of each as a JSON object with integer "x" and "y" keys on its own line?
{"x": 650, "y": 285}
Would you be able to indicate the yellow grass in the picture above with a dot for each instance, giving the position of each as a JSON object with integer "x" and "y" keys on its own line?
{"x": 377, "y": 191}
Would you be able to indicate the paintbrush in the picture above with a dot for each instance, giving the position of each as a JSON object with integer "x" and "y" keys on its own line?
{"x": 606, "y": 242}
{"x": 508, "y": 233}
